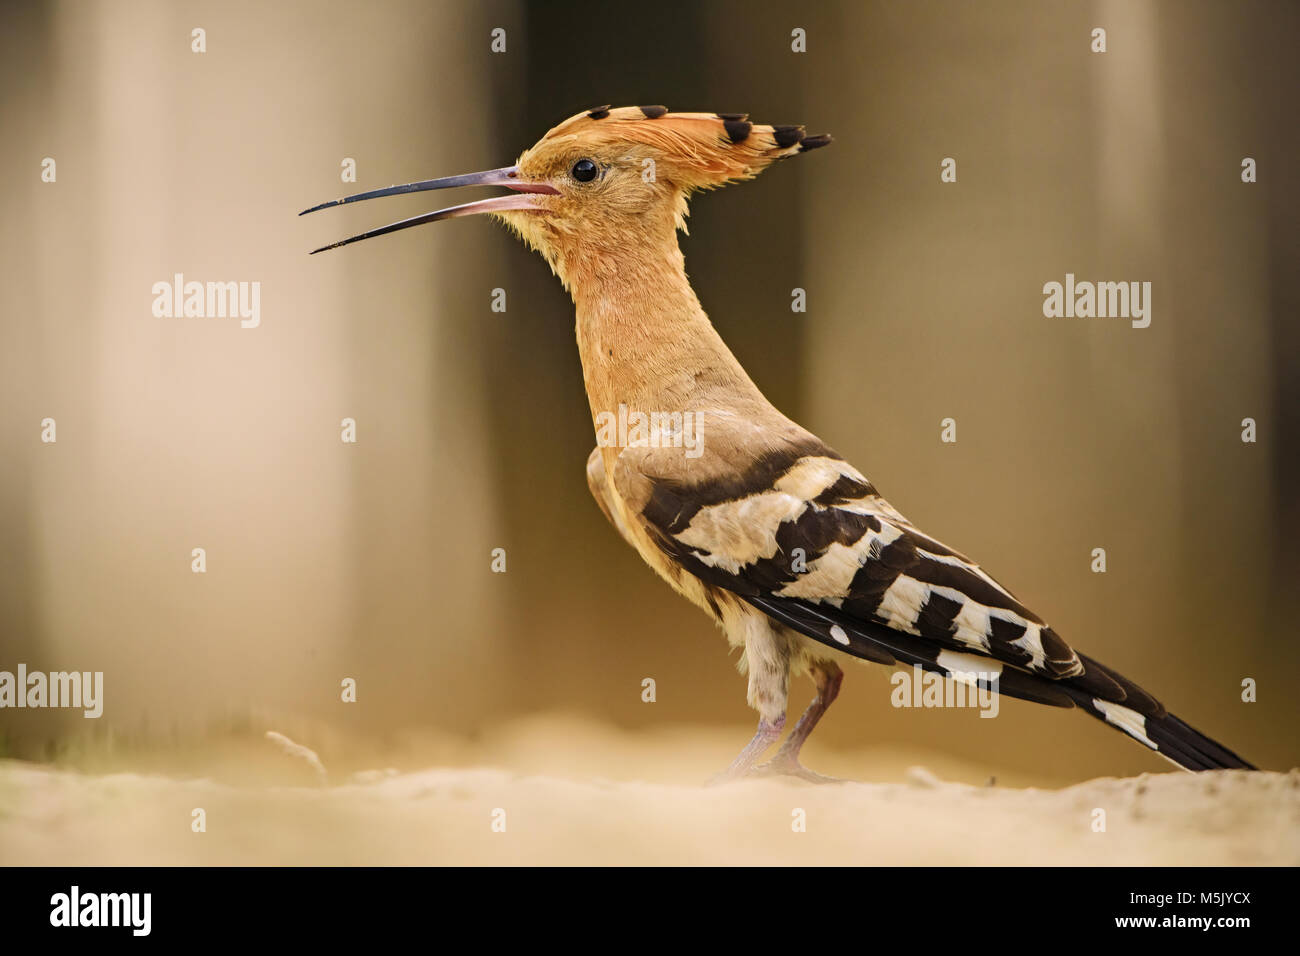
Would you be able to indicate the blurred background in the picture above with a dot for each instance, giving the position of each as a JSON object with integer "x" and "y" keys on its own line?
{"x": 372, "y": 560}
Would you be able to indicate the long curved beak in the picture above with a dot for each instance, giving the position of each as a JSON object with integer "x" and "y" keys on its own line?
{"x": 507, "y": 176}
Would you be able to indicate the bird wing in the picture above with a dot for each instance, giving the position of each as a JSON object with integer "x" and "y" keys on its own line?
{"x": 802, "y": 535}
{"x": 787, "y": 525}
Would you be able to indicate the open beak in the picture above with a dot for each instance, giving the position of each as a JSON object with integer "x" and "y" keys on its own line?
{"x": 507, "y": 176}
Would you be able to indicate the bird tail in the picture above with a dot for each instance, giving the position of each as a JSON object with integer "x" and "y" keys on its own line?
{"x": 1145, "y": 719}
{"x": 1101, "y": 692}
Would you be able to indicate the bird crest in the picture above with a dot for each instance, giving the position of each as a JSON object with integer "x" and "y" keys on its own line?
{"x": 689, "y": 150}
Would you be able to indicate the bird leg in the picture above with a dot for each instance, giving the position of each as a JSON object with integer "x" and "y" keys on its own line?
{"x": 769, "y": 731}
{"x": 767, "y": 660}
{"x": 827, "y": 677}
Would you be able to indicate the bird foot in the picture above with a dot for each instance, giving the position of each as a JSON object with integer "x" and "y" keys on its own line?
{"x": 776, "y": 767}
{"x": 790, "y": 767}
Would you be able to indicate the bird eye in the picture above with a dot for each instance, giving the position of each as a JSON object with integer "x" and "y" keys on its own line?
{"x": 584, "y": 171}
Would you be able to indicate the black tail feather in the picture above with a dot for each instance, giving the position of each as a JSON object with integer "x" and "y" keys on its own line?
{"x": 1145, "y": 719}
{"x": 1169, "y": 731}
{"x": 1098, "y": 691}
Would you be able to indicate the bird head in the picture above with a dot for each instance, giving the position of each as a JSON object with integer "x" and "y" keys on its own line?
{"x": 606, "y": 177}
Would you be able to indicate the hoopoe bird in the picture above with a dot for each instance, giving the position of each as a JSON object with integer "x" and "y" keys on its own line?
{"x": 788, "y": 547}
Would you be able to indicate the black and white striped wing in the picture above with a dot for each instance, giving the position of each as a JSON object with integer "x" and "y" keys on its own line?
{"x": 801, "y": 535}
{"x": 804, "y": 537}
{"x": 811, "y": 532}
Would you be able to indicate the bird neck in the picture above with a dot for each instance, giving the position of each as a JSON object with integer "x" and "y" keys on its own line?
{"x": 644, "y": 339}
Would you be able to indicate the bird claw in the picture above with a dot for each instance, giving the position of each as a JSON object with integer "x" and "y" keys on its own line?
{"x": 776, "y": 767}
{"x": 790, "y": 767}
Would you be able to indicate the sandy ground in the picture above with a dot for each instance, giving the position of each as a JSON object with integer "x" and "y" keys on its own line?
{"x": 649, "y": 808}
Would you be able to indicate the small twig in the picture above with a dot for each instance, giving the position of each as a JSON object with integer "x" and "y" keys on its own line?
{"x": 298, "y": 750}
